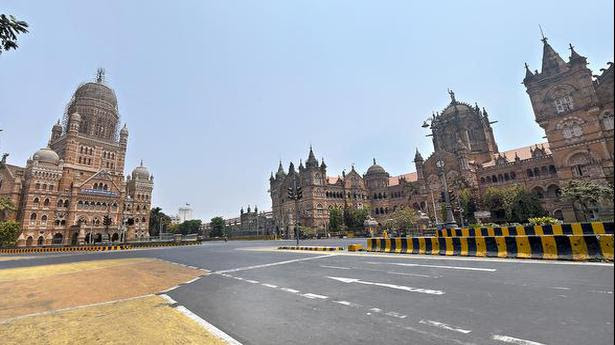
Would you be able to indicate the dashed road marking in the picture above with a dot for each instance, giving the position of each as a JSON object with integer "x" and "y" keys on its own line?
{"x": 273, "y": 264}
{"x": 516, "y": 341}
{"x": 411, "y": 274}
{"x": 270, "y": 285}
{"x": 346, "y": 303}
{"x": 252, "y": 281}
{"x": 391, "y": 286}
{"x": 314, "y": 296}
{"x": 444, "y": 326}
{"x": 336, "y": 267}
{"x": 560, "y": 288}
{"x": 289, "y": 290}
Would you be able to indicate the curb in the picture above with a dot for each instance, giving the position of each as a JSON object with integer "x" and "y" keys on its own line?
{"x": 320, "y": 249}
{"x": 91, "y": 248}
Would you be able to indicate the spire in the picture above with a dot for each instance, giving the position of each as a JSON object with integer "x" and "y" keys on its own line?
{"x": 311, "y": 162}
{"x": 280, "y": 172}
{"x": 417, "y": 156}
{"x": 322, "y": 164}
{"x": 528, "y": 74}
{"x": 141, "y": 163}
{"x": 100, "y": 75}
{"x": 291, "y": 168}
{"x": 551, "y": 61}
{"x": 301, "y": 164}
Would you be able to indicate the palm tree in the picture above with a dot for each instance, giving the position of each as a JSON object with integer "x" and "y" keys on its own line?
{"x": 9, "y": 29}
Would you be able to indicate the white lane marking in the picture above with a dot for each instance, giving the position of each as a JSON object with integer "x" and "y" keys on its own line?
{"x": 412, "y": 274}
{"x": 346, "y": 303}
{"x": 602, "y": 291}
{"x": 516, "y": 341}
{"x": 196, "y": 268}
{"x": 208, "y": 326}
{"x": 314, "y": 296}
{"x": 336, "y": 267}
{"x": 289, "y": 290}
{"x": 560, "y": 288}
{"x": 273, "y": 264}
{"x": 375, "y": 310}
{"x": 170, "y": 289}
{"x": 252, "y": 281}
{"x": 192, "y": 280}
{"x": 394, "y": 314}
{"x": 270, "y": 285}
{"x": 437, "y": 336}
{"x": 392, "y": 286}
{"x": 436, "y": 266}
{"x": 444, "y": 326}
{"x": 238, "y": 278}
{"x": 168, "y": 298}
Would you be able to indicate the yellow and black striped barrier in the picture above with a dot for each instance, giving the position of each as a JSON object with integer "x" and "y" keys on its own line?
{"x": 595, "y": 228}
{"x": 93, "y": 248}
{"x": 551, "y": 247}
{"x": 320, "y": 249}
{"x": 64, "y": 249}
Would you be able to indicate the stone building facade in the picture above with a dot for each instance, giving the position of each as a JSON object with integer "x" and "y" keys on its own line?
{"x": 574, "y": 107}
{"x": 74, "y": 191}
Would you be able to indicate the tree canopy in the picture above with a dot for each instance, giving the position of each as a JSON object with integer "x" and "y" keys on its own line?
{"x": 512, "y": 204}
{"x": 6, "y": 207}
{"x": 9, "y": 29}
{"x": 217, "y": 227}
{"x": 585, "y": 194}
{"x": 402, "y": 219}
{"x": 157, "y": 220}
{"x": 336, "y": 218}
{"x": 9, "y": 232}
{"x": 354, "y": 217}
{"x": 192, "y": 226}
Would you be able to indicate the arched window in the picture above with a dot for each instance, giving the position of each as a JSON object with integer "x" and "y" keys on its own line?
{"x": 539, "y": 192}
{"x": 38, "y": 186}
{"x": 530, "y": 173}
{"x": 553, "y": 191}
{"x": 44, "y": 219}
{"x": 482, "y": 180}
{"x": 66, "y": 203}
{"x": 46, "y": 202}
{"x": 563, "y": 104}
{"x": 44, "y": 186}
{"x": 60, "y": 203}
{"x": 35, "y": 201}
{"x": 579, "y": 163}
{"x": 33, "y": 219}
{"x": 607, "y": 120}
{"x": 552, "y": 169}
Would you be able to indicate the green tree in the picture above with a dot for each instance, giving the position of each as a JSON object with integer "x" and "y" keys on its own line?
{"x": 9, "y": 232}
{"x": 354, "y": 217}
{"x": 584, "y": 195}
{"x": 9, "y": 29}
{"x": 192, "y": 226}
{"x": 6, "y": 207}
{"x": 217, "y": 227}
{"x": 402, "y": 219}
{"x": 336, "y": 218}
{"x": 469, "y": 204}
{"x": 512, "y": 204}
{"x": 158, "y": 219}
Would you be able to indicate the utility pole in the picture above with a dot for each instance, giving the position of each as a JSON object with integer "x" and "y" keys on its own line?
{"x": 295, "y": 193}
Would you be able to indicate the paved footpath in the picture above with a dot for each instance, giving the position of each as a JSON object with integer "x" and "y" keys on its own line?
{"x": 260, "y": 296}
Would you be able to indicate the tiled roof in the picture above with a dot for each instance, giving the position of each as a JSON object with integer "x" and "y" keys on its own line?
{"x": 332, "y": 179}
{"x": 523, "y": 153}
{"x": 410, "y": 177}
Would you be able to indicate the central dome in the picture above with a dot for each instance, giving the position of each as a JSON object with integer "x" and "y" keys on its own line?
{"x": 375, "y": 169}
{"x": 96, "y": 90}
{"x": 140, "y": 172}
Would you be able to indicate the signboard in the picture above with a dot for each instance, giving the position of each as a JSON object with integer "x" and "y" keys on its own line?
{"x": 482, "y": 214}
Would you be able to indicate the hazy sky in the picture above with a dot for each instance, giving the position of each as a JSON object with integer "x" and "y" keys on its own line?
{"x": 215, "y": 93}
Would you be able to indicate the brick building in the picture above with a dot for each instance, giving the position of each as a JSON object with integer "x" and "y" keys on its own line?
{"x": 574, "y": 107}
{"x": 74, "y": 191}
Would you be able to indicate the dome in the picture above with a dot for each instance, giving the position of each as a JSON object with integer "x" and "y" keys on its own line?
{"x": 96, "y": 90}
{"x": 375, "y": 169}
{"x": 46, "y": 155}
{"x": 460, "y": 107}
{"x": 140, "y": 172}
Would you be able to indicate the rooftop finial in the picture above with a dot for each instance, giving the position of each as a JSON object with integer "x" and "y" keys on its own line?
{"x": 141, "y": 163}
{"x": 544, "y": 39}
{"x": 374, "y": 161}
{"x": 100, "y": 75}
{"x": 452, "y": 94}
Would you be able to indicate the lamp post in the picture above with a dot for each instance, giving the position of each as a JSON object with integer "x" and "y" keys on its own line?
{"x": 450, "y": 219}
{"x": 295, "y": 193}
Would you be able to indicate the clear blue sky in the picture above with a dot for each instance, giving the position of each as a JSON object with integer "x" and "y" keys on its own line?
{"x": 216, "y": 92}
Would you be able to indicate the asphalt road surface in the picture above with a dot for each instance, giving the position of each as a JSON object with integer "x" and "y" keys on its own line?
{"x": 274, "y": 297}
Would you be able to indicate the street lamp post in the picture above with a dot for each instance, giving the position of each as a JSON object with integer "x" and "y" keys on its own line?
{"x": 450, "y": 219}
{"x": 295, "y": 193}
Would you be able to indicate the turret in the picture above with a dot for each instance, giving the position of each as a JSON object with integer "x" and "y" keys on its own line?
{"x": 311, "y": 162}
{"x": 124, "y": 135}
{"x": 418, "y": 163}
{"x": 56, "y": 132}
